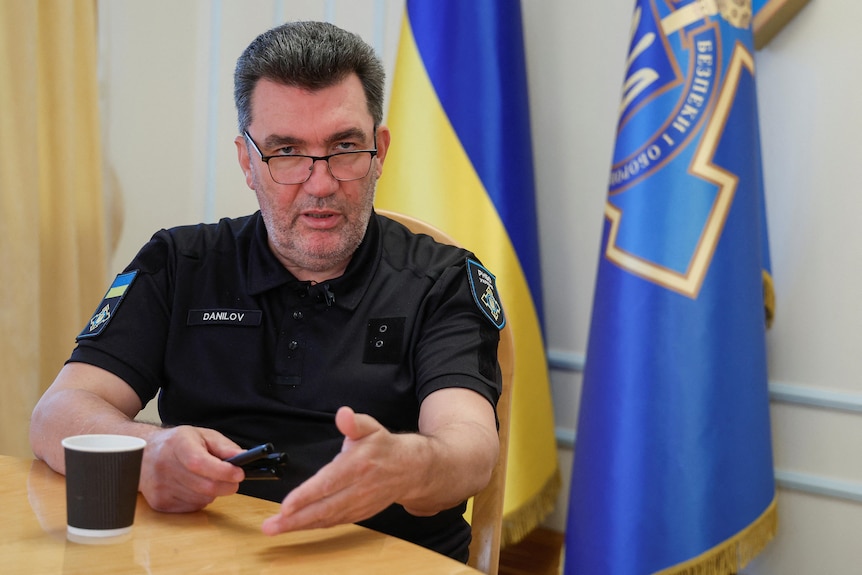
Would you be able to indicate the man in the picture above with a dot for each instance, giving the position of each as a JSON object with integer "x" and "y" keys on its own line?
{"x": 355, "y": 347}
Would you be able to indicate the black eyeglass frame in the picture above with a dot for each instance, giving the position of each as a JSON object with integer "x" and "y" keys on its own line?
{"x": 266, "y": 159}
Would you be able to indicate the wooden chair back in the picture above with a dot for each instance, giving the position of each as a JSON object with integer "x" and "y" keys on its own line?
{"x": 487, "y": 518}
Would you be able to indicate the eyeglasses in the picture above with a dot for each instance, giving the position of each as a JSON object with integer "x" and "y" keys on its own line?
{"x": 296, "y": 169}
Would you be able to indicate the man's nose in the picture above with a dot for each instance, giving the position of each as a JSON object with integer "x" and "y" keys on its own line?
{"x": 320, "y": 181}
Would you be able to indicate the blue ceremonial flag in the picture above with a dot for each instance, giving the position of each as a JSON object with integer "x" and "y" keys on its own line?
{"x": 461, "y": 160}
{"x": 673, "y": 464}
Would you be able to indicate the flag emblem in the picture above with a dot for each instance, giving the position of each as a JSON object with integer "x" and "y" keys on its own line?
{"x": 674, "y": 107}
{"x": 109, "y": 304}
{"x": 662, "y": 481}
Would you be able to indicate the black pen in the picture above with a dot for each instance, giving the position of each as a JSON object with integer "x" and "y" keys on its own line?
{"x": 252, "y": 454}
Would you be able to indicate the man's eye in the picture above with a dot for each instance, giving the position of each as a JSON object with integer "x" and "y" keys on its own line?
{"x": 286, "y": 151}
{"x": 345, "y": 146}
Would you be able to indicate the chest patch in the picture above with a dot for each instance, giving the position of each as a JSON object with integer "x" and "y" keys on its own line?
{"x": 237, "y": 317}
{"x": 384, "y": 339}
{"x": 110, "y": 304}
{"x": 483, "y": 285}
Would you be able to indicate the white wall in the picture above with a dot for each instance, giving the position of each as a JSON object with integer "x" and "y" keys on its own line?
{"x": 169, "y": 125}
{"x": 808, "y": 86}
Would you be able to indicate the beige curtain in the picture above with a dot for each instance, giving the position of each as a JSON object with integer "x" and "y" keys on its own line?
{"x": 52, "y": 246}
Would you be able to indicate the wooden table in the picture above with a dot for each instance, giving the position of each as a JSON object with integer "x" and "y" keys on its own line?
{"x": 223, "y": 538}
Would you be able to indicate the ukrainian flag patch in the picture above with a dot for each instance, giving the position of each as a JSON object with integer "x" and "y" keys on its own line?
{"x": 110, "y": 303}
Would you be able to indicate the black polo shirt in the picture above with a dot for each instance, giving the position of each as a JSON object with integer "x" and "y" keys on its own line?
{"x": 235, "y": 342}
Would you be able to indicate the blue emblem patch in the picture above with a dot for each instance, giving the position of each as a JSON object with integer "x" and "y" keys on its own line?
{"x": 110, "y": 303}
{"x": 483, "y": 285}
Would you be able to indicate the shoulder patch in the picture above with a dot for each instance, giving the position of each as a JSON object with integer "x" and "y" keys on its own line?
{"x": 483, "y": 285}
{"x": 110, "y": 303}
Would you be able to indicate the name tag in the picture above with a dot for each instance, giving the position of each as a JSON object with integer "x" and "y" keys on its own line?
{"x": 237, "y": 317}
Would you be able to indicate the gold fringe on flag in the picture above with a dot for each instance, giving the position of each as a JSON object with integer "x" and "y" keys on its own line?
{"x": 519, "y": 523}
{"x": 732, "y": 555}
{"x": 768, "y": 298}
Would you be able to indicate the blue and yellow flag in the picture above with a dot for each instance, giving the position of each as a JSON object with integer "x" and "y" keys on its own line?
{"x": 673, "y": 464}
{"x": 461, "y": 159}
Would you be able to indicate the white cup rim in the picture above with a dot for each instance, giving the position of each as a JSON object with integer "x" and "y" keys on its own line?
{"x": 103, "y": 443}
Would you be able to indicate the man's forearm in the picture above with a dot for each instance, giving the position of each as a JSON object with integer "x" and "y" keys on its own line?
{"x": 450, "y": 468}
{"x": 73, "y": 406}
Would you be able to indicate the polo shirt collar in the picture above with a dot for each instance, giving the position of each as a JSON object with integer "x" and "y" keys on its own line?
{"x": 265, "y": 272}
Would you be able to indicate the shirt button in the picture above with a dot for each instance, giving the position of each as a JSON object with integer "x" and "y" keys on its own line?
{"x": 293, "y": 345}
{"x": 297, "y": 315}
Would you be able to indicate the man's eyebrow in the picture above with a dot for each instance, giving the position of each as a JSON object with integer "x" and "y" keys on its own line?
{"x": 277, "y": 140}
{"x": 349, "y": 134}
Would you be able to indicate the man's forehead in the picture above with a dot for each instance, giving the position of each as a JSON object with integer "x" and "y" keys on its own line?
{"x": 272, "y": 100}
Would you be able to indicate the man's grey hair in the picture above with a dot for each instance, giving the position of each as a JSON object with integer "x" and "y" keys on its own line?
{"x": 310, "y": 55}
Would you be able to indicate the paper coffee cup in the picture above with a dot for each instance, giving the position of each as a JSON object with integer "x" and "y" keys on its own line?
{"x": 102, "y": 476}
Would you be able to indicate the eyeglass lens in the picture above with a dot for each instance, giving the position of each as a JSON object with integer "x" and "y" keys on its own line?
{"x": 297, "y": 169}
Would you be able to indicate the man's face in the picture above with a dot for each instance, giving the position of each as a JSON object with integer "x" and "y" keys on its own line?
{"x": 313, "y": 227}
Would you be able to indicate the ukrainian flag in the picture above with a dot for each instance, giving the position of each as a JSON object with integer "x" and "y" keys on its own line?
{"x": 120, "y": 285}
{"x": 461, "y": 159}
{"x": 673, "y": 464}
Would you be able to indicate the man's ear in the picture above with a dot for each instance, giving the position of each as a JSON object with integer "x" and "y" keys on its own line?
{"x": 244, "y": 160}
{"x": 383, "y": 139}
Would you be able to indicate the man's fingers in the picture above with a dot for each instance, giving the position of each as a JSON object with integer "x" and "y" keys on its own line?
{"x": 355, "y": 425}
